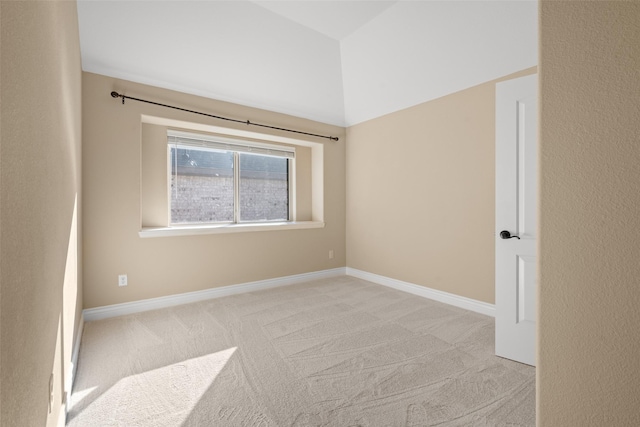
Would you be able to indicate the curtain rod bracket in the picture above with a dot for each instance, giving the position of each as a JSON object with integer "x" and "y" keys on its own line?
{"x": 115, "y": 94}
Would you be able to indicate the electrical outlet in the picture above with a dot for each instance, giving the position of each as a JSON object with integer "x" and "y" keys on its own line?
{"x": 330, "y": 253}
{"x": 122, "y": 280}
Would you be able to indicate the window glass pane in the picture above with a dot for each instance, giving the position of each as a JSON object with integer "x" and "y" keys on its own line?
{"x": 264, "y": 188}
{"x": 201, "y": 185}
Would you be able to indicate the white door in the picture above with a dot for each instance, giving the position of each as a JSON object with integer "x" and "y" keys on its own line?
{"x": 516, "y": 215}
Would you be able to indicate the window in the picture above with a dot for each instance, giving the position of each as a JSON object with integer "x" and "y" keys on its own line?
{"x": 214, "y": 180}
{"x": 292, "y": 170}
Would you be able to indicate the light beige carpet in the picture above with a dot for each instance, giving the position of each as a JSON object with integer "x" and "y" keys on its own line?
{"x": 335, "y": 352}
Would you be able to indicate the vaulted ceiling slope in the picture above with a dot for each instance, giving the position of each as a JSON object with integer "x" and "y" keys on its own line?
{"x": 337, "y": 62}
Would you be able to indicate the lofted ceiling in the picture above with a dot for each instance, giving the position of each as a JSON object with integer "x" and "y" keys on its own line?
{"x": 335, "y": 19}
{"x": 337, "y": 62}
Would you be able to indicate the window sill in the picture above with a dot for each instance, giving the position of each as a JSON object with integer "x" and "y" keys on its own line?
{"x": 192, "y": 230}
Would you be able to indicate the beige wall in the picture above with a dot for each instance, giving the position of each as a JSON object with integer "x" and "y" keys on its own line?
{"x": 40, "y": 187}
{"x": 170, "y": 265}
{"x": 589, "y": 297}
{"x": 398, "y": 226}
{"x": 421, "y": 193}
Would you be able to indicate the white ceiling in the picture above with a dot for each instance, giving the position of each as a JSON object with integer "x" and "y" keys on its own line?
{"x": 338, "y": 62}
{"x": 335, "y": 19}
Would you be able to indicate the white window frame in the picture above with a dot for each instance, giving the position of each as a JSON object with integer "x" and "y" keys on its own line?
{"x": 180, "y": 139}
{"x": 317, "y": 220}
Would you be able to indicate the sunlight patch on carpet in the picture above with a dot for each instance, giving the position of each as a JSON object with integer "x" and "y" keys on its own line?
{"x": 164, "y": 396}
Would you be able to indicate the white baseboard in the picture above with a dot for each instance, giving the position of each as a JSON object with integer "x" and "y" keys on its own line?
{"x": 62, "y": 415}
{"x": 98, "y": 313}
{"x": 75, "y": 353}
{"x": 423, "y": 291}
{"x": 68, "y": 387}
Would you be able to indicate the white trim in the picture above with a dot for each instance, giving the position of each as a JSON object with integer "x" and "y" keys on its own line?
{"x": 221, "y": 142}
{"x": 68, "y": 387}
{"x": 425, "y": 292}
{"x": 76, "y": 352}
{"x": 190, "y": 230}
{"x": 227, "y": 131}
{"x": 104, "y": 312}
{"x": 99, "y": 313}
{"x": 62, "y": 415}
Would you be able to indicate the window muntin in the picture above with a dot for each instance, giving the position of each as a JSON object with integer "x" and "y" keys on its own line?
{"x": 216, "y": 181}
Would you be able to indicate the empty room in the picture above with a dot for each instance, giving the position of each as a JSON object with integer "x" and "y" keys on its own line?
{"x": 319, "y": 213}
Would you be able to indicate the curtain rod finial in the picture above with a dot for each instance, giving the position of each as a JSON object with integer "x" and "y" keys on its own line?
{"x": 115, "y": 94}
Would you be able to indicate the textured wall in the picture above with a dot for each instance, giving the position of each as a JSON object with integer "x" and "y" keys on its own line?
{"x": 40, "y": 186}
{"x": 421, "y": 193}
{"x": 170, "y": 265}
{"x": 589, "y": 296}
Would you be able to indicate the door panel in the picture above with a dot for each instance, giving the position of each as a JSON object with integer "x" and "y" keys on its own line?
{"x": 526, "y": 292}
{"x": 516, "y": 212}
{"x": 527, "y": 164}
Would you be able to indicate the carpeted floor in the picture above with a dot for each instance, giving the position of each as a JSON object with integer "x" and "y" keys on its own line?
{"x": 334, "y": 352}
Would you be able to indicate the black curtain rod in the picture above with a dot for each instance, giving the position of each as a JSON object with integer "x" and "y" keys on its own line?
{"x": 115, "y": 94}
